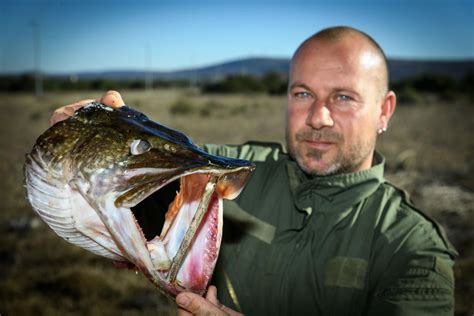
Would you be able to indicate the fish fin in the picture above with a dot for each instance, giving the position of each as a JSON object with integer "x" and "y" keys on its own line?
{"x": 64, "y": 210}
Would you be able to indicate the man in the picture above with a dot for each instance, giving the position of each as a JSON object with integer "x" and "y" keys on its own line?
{"x": 319, "y": 230}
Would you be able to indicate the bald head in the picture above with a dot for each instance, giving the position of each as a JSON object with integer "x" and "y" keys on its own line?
{"x": 364, "y": 49}
{"x": 338, "y": 100}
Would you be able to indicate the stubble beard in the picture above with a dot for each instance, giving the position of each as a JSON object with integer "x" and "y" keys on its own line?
{"x": 343, "y": 162}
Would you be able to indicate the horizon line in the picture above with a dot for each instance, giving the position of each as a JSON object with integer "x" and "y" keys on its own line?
{"x": 215, "y": 64}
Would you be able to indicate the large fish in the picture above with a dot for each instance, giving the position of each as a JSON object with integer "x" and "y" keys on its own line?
{"x": 85, "y": 176}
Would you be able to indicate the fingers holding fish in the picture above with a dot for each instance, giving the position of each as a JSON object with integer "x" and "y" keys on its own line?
{"x": 211, "y": 295}
{"x": 111, "y": 98}
{"x": 66, "y": 111}
{"x": 193, "y": 304}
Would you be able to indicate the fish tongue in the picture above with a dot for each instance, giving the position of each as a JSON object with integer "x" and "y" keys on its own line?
{"x": 191, "y": 231}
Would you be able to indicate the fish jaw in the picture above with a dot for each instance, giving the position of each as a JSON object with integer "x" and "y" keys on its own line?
{"x": 199, "y": 264}
{"x": 155, "y": 257}
{"x": 194, "y": 236}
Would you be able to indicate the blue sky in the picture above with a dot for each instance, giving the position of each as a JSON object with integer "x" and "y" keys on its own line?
{"x": 92, "y": 35}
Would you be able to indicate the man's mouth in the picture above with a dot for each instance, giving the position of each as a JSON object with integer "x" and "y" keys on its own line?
{"x": 319, "y": 144}
{"x": 319, "y": 138}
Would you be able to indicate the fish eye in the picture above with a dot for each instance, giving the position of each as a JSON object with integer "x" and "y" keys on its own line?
{"x": 139, "y": 146}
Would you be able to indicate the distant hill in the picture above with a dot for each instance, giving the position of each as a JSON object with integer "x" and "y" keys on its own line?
{"x": 399, "y": 69}
{"x": 253, "y": 66}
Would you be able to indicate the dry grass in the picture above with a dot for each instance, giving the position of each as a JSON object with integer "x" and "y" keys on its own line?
{"x": 429, "y": 150}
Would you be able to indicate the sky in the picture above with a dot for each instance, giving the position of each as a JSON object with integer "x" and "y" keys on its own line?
{"x": 87, "y": 35}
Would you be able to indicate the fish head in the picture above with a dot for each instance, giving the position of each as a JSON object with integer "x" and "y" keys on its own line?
{"x": 111, "y": 160}
{"x": 130, "y": 155}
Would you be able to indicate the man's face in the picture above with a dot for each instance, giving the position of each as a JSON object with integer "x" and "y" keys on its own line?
{"x": 333, "y": 110}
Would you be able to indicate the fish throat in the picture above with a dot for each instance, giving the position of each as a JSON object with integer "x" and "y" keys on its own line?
{"x": 187, "y": 211}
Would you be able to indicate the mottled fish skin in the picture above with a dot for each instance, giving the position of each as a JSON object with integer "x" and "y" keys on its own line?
{"x": 85, "y": 173}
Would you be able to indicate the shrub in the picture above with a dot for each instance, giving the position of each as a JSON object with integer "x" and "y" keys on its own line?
{"x": 434, "y": 83}
{"x": 182, "y": 107}
{"x": 212, "y": 108}
{"x": 275, "y": 83}
{"x": 449, "y": 96}
{"x": 408, "y": 95}
{"x": 235, "y": 84}
{"x": 239, "y": 109}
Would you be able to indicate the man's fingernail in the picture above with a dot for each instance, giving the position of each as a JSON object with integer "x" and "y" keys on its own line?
{"x": 183, "y": 300}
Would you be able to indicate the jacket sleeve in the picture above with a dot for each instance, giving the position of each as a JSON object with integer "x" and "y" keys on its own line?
{"x": 424, "y": 287}
{"x": 230, "y": 151}
{"x": 415, "y": 270}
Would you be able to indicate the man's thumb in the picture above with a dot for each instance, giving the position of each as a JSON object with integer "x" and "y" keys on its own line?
{"x": 183, "y": 300}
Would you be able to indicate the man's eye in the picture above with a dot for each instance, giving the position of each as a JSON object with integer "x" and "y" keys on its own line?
{"x": 342, "y": 97}
{"x": 301, "y": 94}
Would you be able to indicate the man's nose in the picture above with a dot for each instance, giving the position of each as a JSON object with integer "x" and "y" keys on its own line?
{"x": 319, "y": 115}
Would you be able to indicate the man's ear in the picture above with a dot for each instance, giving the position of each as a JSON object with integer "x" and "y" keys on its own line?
{"x": 388, "y": 105}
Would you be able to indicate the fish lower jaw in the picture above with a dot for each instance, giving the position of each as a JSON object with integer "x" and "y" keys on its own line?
{"x": 198, "y": 265}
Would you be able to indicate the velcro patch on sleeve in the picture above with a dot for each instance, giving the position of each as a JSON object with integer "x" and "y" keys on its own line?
{"x": 346, "y": 272}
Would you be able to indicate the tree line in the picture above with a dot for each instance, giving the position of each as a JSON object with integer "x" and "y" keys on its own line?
{"x": 272, "y": 83}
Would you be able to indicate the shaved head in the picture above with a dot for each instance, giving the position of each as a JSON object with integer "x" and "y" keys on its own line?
{"x": 371, "y": 53}
{"x": 338, "y": 101}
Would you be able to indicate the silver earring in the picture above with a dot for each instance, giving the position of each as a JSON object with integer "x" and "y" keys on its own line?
{"x": 381, "y": 130}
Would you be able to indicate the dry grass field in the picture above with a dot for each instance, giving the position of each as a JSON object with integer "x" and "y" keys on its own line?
{"x": 429, "y": 149}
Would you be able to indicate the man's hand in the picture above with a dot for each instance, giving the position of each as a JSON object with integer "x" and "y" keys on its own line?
{"x": 110, "y": 98}
{"x": 193, "y": 304}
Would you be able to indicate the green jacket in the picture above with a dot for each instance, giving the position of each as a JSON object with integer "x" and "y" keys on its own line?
{"x": 348, "y": 244}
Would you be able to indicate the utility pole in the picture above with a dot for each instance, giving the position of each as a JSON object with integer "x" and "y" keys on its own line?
{"x": 193, "y": 75}
{"x": 37, "y": 58}
{"x": 148, "y": 70}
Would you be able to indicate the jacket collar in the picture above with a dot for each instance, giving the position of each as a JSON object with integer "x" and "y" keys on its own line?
{"x": 342, "y": 191}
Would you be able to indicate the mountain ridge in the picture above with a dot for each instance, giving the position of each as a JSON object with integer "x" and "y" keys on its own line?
{"x": 259, "y": 66}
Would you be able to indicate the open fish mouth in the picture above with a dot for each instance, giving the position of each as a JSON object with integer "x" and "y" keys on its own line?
{"x": 186, "y": 249}
{"x": 124, "y": 187}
